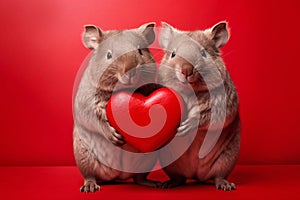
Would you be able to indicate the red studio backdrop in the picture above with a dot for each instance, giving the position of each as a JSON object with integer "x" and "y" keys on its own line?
{"x": 41, "y": 52}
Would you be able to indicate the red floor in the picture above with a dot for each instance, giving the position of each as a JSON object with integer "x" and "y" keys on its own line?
{"x": 253, "y": 182}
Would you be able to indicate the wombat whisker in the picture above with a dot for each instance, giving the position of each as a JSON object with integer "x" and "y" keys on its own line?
{"x": 228, "y": 53}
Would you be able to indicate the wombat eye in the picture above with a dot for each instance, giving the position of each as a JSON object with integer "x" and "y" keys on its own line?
{"x": 140, "y": 52}
{"x": 173, "y": 54}
{"x": 202, "y": 52}
{"x": 108, "y": 55}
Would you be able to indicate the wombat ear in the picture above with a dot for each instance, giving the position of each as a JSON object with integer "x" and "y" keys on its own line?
{"x": 220, "y": 34}
{"x": 92, "y": 36}
{"x": 148, "y": 31}
{"x": 166, "y": 34}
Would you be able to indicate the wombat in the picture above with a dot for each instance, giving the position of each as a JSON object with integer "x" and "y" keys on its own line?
{"x": 121, "y": 60}
{"x": 192, "y": 66}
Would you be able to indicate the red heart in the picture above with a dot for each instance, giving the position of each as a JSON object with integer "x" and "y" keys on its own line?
{"x": 146, "y": 122}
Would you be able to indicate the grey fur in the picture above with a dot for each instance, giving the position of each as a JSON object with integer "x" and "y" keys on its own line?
{"x": 195, "y": 52}
{"x": 94, "y": 139}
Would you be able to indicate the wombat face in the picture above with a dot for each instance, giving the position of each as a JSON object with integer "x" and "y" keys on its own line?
{"x": 193, "y": 57}
{"x": 121, "y": 56}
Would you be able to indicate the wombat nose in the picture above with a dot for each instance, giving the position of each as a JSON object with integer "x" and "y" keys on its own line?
{"x": 187, "y": 70}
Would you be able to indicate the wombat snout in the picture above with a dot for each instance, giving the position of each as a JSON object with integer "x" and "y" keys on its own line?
{"x": 128, "y": 69}
{"x": 186, "y": 73}
{"x": 187, "y": 70}
{"x": 130, "y": 77}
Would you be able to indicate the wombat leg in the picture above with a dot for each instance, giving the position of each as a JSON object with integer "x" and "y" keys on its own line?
{"x": 90, "y": 185}
{"x": 225, "y": 163}
{"x": 85, "y": 162}
{"x": 141, "y": 179}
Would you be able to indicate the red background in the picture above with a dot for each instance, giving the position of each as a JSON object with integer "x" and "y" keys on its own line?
{"x": 41, "y": 52}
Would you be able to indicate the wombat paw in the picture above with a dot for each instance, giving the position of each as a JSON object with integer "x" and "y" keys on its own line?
{"x": 153, "y": 184}
{"x": 222, "y": 184}
{"x": 90, "y": 186}
{"x": 148, "y": 183}
{"x": 117, "y": 139}
{"x": 184, "y": 128}
{"x": 172, "y": 183}
{"x": 166, "y": 185}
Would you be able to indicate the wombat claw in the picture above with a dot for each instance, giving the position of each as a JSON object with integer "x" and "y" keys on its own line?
{"x": 222, "y": 184}
{"x": 90, "y": 186}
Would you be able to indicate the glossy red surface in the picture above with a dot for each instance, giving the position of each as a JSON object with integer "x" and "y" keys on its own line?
{"x": 146, "y": 123}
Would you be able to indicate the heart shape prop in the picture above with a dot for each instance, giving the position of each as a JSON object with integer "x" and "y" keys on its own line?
{"x": 146, "y": 122}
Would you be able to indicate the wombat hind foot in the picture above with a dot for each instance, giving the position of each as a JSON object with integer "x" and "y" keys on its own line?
{"x": 90, "y": 186}
{"x": 141, "y": 180}
{"x": 222, "y": 184}
{"x": 173, "y": 183}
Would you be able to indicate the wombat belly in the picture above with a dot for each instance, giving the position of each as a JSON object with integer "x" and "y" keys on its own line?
{"x": 190, "y": 166}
